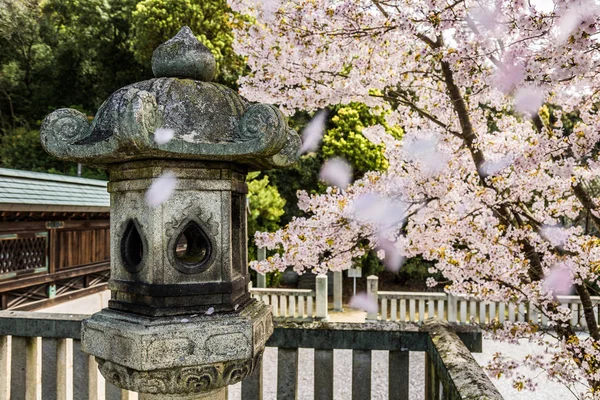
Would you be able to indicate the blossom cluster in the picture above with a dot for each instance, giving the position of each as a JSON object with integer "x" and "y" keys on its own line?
{"x": 494, "y": 179}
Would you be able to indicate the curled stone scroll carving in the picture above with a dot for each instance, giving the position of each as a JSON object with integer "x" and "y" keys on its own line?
{"x": 64, "y": 127}
{"x": 263, "y": 121}
{"x": 182, "y": 380}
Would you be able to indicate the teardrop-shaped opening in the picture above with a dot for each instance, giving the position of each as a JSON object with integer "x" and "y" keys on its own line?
{"x": 193, "y": 247}
{"x": 132, "y": 247}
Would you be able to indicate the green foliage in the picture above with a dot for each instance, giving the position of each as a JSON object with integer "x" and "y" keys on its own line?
{"x": 304, "y": 175}
{"x": 155, "y": 21}
{"x": 61, "y": 53}
{"x": 75, "y": 53}
{"x": 266, "y": 208}
{"x": 370, "y": 264}
{"x": 344, "y": 138}
{"x": 415, "y": 271}
{"x": 21, "y": 149}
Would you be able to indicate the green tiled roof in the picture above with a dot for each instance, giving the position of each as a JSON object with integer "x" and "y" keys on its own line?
{"x": 41, "y": 189}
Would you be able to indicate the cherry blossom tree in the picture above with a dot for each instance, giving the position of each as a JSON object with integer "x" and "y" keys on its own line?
{"x": 499, "y": 103}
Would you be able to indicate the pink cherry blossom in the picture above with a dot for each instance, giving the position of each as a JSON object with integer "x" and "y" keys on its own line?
{"x": 493, "y": 187}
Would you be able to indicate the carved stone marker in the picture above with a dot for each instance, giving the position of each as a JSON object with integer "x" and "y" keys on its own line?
{"x": 180, "y": 322}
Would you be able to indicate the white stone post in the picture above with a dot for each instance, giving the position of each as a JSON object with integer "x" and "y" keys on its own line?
{"x": 452, "y": 305}
{"x": 337, "y": 291}
{"x": 321, "y": 293}
{"x": 372, "y": 288}
{"x": 261, "y": 279}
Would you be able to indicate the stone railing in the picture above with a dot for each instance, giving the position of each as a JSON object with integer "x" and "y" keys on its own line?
{"x": 289, "y": 303}
{"x": 42, "y": 353}
{"x": 295, "y": 304}
{"x": 419, "y": 306}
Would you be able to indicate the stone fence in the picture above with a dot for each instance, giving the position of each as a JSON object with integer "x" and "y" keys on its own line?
{"x": 41, "y": 353}
{"x": 302, "y": 304}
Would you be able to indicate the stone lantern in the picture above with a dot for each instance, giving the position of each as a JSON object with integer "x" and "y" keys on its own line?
{"x": 180, "y": 323}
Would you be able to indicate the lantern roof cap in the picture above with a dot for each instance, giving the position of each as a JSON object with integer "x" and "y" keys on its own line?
{"x": 179, "y": 114}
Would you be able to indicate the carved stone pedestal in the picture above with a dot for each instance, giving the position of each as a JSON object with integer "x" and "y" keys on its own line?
{"x": 220, "y": 394}
{"x": 178, "y": 355}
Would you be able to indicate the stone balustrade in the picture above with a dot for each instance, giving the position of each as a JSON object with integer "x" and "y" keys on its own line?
{"x": 42, "y": 353}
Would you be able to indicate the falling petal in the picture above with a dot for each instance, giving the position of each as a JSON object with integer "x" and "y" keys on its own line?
{"x": 580, "y": 15}
{"x": 365, "y": 302}
{"x": 210, "y": 311}
{"x": 492, "y": 167}
{"x": 392, "y": 258}
{"x": 529, "y": 99}
{"x": 337, "y": 172}
{"x": 509, "y": 78}
{"x": 185, "y": 320}
{"x": 375, "y": 209}
{"x": 163, "y": 135}
{"x": 556, "y": 235}
{"x": 313, "y": 133}
{"x": 424, "y": 151}
{"x": 269, "y": 9}
{"x": 567, "y": 24}
{"x": 236, "y": 307}
{"x": 161, "y": 189}
{"x": 485, "y": 18}
{"x": 559, "y": 280}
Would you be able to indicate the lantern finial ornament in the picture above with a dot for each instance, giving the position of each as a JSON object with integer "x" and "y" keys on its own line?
{"x": 184, "y": 56}
{"x": 180, "y": 320}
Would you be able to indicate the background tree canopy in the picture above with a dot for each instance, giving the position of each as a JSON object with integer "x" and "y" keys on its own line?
{"x": 75, "y": 53}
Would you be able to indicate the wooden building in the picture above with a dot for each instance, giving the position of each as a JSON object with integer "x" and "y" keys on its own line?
{"x": 54, "y": 238}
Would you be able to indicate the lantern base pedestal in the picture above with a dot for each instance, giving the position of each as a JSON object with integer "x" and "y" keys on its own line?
{"x": 219, "y": 394}
{"x": 178, "y": 356}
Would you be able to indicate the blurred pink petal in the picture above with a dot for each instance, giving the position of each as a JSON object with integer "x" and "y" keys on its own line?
{"x": 337, "y": 172}
{"x": 492, "y": 167}
{"x": 210, "y": 311}
{"x": 163, "y": 135}
{"x": 269, "y": 8}
{"x": 528, "y": 100}
{"x": 580, "y": 14}
{"x": 313, "y": 133}
{"x": 424, "y": 150}
{"x": 509, "y": 78}
{"x": 485, "y": 18}
{"x": 375, "y": 209}
{"x": 161, "y": 189}
{"x": 365, "y": 302}
{"x": 393, "y": 259}
{"x": 556, "y": 235}
{"x": 559, "y": 280}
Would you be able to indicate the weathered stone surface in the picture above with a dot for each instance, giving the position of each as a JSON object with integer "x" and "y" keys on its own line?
{"x": 180, "y": 319}
{"x": 184, "y": 56}
{"x": 210, "y": 121}
{"x": 462, "y": 370}
{"x": 194, "y": 354}
{"x": 210, "y": 200}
